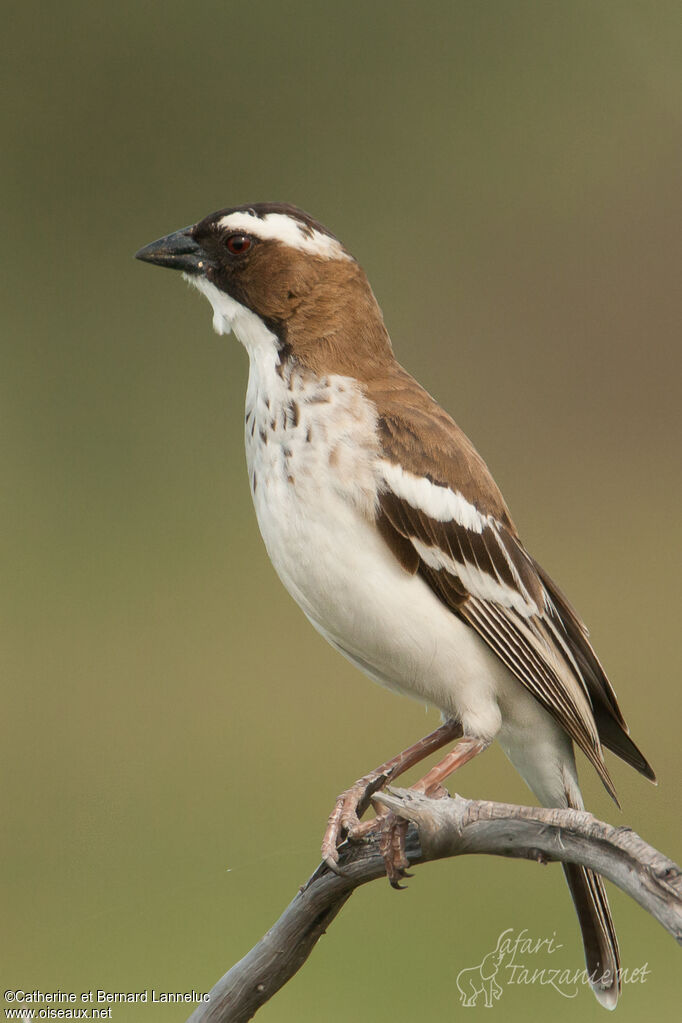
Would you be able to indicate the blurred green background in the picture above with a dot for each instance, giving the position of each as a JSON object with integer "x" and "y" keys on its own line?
{"x": 174, "y": 731}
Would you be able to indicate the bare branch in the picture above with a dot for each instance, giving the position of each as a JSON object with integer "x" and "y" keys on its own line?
{"x": 441, "y": 828}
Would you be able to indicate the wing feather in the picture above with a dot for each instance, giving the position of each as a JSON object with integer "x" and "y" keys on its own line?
{"x": 482, "y": 572}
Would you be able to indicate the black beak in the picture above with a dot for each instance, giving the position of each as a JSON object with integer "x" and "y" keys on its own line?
{"x": 179, "y": 251}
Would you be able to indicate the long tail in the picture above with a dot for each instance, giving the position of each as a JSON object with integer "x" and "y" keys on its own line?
{"x": 543, "y": 755}
{"x": 599, "y": 936}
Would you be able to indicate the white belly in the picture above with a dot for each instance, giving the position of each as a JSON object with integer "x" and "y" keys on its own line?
{"x": 314, "y": 498}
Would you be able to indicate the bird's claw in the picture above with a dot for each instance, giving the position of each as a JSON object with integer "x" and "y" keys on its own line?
{"x": 344, "y": 820}
{"x": 344, "y": 824}
{"x": 392, "y": 848}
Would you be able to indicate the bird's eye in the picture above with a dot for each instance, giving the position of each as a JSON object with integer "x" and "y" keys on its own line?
{"x": 238, "y": 244}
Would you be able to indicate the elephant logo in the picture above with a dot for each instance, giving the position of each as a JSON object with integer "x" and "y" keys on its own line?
{"x": 480, "y": 980}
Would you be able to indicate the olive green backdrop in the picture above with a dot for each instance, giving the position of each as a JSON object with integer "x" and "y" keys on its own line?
{"x": 174, "y": 730}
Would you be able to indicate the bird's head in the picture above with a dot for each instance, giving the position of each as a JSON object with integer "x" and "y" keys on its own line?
{"x": 276, "y": 276}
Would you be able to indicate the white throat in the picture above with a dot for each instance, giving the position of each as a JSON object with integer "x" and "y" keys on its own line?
{"x": 230, "y": 316}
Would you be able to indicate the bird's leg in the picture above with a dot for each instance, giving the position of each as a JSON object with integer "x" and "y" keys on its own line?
{"x": 350, "y": 805}
{"x": 394, "y": 830}
{"x": 465, "y": 750}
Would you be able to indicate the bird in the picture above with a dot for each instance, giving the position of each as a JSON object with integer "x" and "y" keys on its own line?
{"x": 386, "y": 527}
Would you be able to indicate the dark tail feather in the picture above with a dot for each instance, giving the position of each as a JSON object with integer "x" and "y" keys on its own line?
{"x": 599, "y": 937}
{"x": 619, "y": 742}
{"x": 613, "y": 731}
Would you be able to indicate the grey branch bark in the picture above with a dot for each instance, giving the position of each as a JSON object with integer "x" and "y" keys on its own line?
{"x": 441, "y": 828}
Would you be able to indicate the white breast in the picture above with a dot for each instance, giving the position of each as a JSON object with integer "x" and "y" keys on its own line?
{"x": 311, "y": 456}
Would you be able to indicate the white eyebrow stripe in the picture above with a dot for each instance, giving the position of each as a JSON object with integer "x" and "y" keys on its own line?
{"x": 285, "y": 229}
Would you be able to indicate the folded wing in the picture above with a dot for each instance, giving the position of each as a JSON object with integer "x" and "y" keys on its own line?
{"x": 469, "y": 553}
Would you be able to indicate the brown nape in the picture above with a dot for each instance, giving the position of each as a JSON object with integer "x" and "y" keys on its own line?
{"x": 335, "y": 325}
